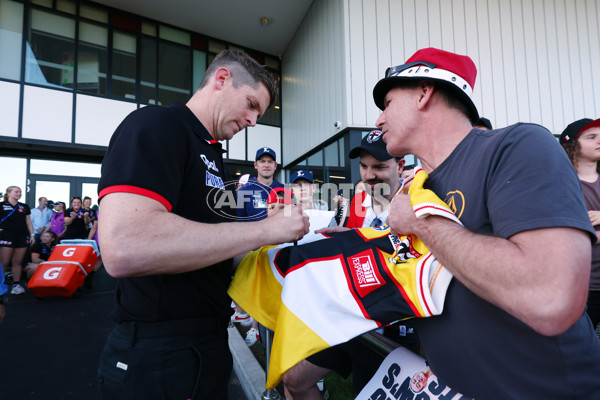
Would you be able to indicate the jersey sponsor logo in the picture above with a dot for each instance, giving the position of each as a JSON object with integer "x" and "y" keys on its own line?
{"x": 214, "y": 181}
{"x": 456, "y": 202}
{"x": 209, "y": 164}
{"x": 52, "y": 273}
{"x": 404, "y": 250}
{"x": 364, "y": 272}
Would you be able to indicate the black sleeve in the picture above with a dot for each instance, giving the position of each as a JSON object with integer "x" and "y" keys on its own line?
{"x": 148, "y": 152}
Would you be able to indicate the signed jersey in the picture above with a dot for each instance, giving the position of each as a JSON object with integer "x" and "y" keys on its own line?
{"x": 327, "y": 292}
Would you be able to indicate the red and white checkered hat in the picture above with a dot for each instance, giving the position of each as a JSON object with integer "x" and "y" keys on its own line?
{"x": 437, "y": 65}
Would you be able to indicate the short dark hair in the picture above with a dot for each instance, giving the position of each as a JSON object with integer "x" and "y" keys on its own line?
{"x": 244, "y": 70}
{"x": 408, "y": 167}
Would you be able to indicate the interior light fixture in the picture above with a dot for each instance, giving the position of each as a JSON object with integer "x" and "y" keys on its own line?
{"x": 264, "y": 21}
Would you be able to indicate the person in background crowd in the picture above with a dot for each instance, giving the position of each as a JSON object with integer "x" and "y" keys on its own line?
{"x": 40, "y": 217}
{"x": 483, "y": 123}
{"x": 341, "y": 204}
{"x": 76, "y": 221}
{"x": 276, "y": 201}
{"x": 3, "y": 292}
{"x": 252, "y": 197}
{"x": 162, "y": 178}
{"x": 16, "y": 233}
{"x": 57, "y": 221}
{"x": 520, "y": 259}
{"x": 93, "y": 235}
{"x": 581, "y": 141}
{"x": 252, "y": 206}
{"x": 303, "y": 187}
{"x": 40, "y": 251}
{"x": 88, "y": 212}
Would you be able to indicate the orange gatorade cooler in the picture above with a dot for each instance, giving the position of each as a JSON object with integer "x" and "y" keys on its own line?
{"x": 65, "y": 270}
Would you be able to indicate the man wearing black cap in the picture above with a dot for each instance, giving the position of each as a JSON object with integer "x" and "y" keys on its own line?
{"x": 252, "y": 197}
{"x": 513, "y": 325}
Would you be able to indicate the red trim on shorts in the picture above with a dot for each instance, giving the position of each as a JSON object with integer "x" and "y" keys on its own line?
{"x": 136, "y": 190}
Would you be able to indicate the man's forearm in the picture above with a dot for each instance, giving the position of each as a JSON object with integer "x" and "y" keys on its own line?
{"x": 537, "y": 276}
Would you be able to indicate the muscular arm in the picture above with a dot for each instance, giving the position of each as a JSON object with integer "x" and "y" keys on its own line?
{"x": 139, "y": 237}
{"x": 539, "y": 276}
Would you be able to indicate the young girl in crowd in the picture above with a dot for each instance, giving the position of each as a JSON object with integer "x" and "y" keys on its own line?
{"x": 40, "y": 251}
{"x": 581, "y": 141}
{"x": 16, "y": 233}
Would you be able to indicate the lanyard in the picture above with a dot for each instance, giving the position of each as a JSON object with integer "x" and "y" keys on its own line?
{"x": 11, "y": 213}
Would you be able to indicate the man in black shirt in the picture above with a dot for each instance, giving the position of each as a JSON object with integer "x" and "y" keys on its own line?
{"x": 166, "y": 235}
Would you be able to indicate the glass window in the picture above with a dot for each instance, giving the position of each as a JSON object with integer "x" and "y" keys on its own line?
{"x": 272, "y": 63}
{"x": 123, "y": 65}
{"x": 341, "y": 147}
{"x": 272, "y": 115}
{"x": 216, "y": 47}
{"x": 175, "y": 35}
{"x": 174, "y": 73}
{"x": 92, "y": 61}
{"x": 148, "y": 71}
{"x": 53, "y": 190}
{"x": 44, "y": 3}
{"x": 14, "y": 173}
{"x": 148, "y": 28}
{"x": 199, "y": 68}
{"x": 68, "y": 168}
{"x": 87, "y": 11}
{"x": 11, "y": 28}
{"x": 331, "y": 155}
{"x": 316, "y": 160}
{"x": 50, "y": 49}
{"x": 67, "y": 6}
{"x": 90, "y": 190}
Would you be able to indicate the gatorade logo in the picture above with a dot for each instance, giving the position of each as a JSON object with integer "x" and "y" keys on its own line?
{"x": 69, "y": 252}
{"x": 52, "y": 273}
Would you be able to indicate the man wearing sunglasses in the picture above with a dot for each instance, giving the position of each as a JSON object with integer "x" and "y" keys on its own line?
{"x": 513, "y": 325}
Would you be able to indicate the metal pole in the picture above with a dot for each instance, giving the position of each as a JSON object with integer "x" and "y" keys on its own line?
{"x": 269, "y": 394}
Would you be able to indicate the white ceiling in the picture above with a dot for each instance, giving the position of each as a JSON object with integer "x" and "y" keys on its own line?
{"x": 235, "y": 21}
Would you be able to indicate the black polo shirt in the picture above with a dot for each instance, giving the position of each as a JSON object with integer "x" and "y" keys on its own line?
{"x": 166, "y": 154}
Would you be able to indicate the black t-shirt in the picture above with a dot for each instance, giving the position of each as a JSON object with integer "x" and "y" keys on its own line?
{"x": 500, "y": 183}
{"x": 42, "y": 250}
{"x": 14, "y": 222}
{"x": 167, "y": 154}
{"x": 77, "y": 229}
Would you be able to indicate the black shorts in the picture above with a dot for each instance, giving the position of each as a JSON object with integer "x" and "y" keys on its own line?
{"x": 12, "y": 240}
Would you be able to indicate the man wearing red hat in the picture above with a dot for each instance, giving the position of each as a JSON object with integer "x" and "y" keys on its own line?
{"x": 513, "y": 325}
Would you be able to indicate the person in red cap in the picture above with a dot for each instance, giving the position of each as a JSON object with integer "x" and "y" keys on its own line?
{"x": 277, "y": 199}
{"x": 581, "y": 141}
{"x": 513, "y": 325}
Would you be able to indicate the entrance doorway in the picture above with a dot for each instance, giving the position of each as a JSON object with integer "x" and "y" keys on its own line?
{"x": 61, "y": 188}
